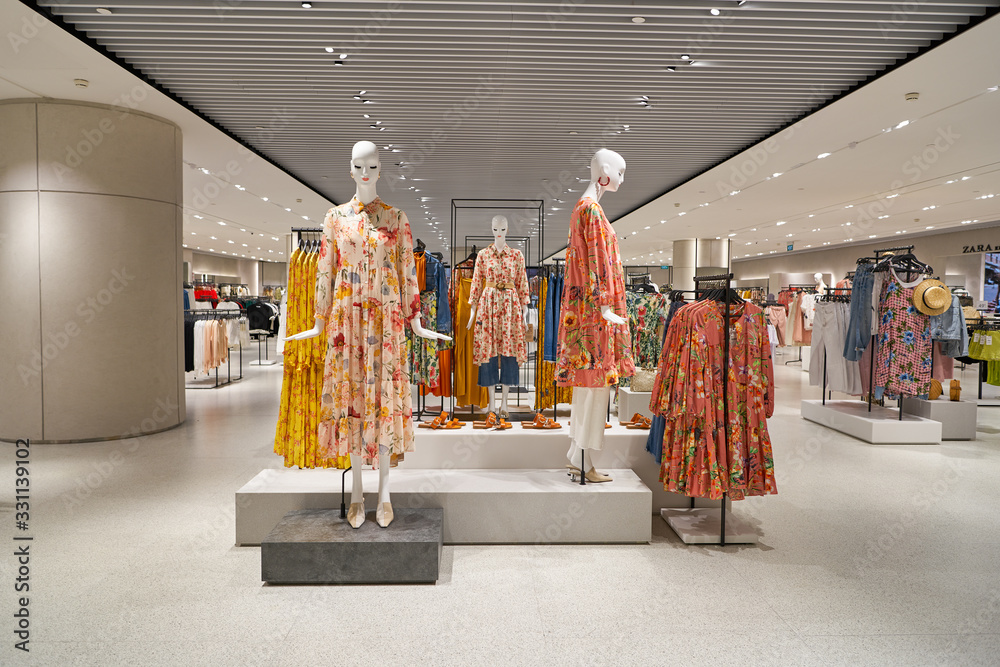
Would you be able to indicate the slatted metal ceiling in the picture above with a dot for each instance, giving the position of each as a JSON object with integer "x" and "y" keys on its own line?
{"x": 509, "y": 99}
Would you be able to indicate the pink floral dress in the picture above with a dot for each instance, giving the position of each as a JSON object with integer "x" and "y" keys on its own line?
{"x": 366, "y": 289}
{"x": 499, "y": 327}
{"x": 591, "y": 351}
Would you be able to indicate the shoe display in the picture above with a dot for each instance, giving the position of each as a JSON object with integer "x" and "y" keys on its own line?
{"x": 356, "y": 515}
{"x": 384, "y": 515}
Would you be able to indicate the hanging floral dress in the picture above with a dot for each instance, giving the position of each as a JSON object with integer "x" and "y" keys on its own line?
{"x": 903, "y": 358}
{"x": 366, "y": 289}
{"x": 592, "y": 352}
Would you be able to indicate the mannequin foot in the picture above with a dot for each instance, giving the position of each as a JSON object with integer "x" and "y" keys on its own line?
{"x": 594, "y": 476}
{"x": 384, "y": 515}
{"x": 356, "y": 515}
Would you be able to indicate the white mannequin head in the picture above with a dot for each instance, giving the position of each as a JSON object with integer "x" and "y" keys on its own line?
{"x": 365, "y": 169}
{"x": 500, "y": 226}
{"x": 818, "y": 277}
{"x": 607, "y": 173}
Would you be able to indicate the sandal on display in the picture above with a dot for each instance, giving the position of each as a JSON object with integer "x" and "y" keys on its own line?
{"x": 504, "y": 414}
{"x": 503, "y": 425}
{"x": 491, "y": 421}
{"x": 541, "y": 422}
{"x": 643, "y": 423}
{"x": 437, "y": 422}
{"x": 453, "y": 424}
{"x": 636, "y": 419}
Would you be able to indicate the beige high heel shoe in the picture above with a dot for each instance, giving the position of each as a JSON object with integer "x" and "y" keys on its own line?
{"x": 592, "y": 475}
{"x": 384, "y": 515}
{"x": 356, "y": 515}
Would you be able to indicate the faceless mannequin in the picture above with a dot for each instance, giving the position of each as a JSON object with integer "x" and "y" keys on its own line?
{"x": 365, "y": 168}
{"x": 607, "y": 173}
{"x": 500, "y": 226}
{"x": 820, "y": 285}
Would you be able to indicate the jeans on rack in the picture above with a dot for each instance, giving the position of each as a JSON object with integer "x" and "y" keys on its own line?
{"x": 859, "y": 328}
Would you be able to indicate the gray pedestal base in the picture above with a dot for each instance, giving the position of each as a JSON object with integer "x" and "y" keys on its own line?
{"x": 318, "y": 547}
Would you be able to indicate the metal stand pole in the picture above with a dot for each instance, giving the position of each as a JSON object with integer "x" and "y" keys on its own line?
{"x": 824, "y": 377}
{"x": 583, "y": 473}
{"x": 343, "y": 484}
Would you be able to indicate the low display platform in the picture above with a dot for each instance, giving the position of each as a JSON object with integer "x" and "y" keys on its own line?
{"x": 631, "y": 402}
{"x": 318, "y": 547}
{"x": 480, "y": 506}
{"x": 958, "y": 418}
{"x": 704, "y": 526}
{"x": 881, "y": 426}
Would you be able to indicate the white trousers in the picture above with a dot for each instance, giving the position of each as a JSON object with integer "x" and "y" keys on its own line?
{"x": 587, "y": 417}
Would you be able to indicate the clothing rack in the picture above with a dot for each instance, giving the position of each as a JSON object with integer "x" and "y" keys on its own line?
{"x": 219, "y": 315}
{"x": 832, "y": 295}
{"x": 798, "y": 287}
{"x": 983, "y": 325}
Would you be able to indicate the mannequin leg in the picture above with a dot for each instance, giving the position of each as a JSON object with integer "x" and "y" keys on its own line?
{"x": 587, "y": 420}
{"x": 357, "y": 491}
{"x": 490, "y": 395}
{"x": 383, "y": 511}
{"x": 505, "y": 390}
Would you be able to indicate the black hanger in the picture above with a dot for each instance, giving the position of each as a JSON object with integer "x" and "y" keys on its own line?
{"x": 420, "y": 246}
{"x": 472, "y": 255}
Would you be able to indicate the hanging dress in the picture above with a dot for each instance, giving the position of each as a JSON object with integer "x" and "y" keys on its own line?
{"x": 903, "y": 361}
{"x": 366, "y": 290}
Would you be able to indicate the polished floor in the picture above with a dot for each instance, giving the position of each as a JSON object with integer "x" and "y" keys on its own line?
{"x": 869, "y": 555}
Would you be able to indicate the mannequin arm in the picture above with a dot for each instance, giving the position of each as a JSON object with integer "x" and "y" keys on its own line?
{"x": 311, "y": 333}
{"x": 524, "y": 314}
{"x": 610, "y": 316}
{"x": 419, "y": 330}
{"x": 472, "y": 318}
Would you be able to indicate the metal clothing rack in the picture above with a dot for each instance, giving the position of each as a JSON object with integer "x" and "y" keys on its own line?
{"x": 219, "y": 315}
{"x": 984, "y": 325}
{"x": 800, "y": 287}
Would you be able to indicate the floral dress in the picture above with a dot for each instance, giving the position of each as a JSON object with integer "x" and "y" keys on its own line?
{"x": 499, "y": 329}
{"x": 697, "y": 459}
{"x": 591, "y": 351}
{"x": 366, "y": 289}
{"x": 903, "y": 357}
{"x": 646, "y": 312}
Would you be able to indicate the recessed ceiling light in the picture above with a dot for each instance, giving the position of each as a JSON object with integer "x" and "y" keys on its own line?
{"x": 714, "y": 11}
{"x": 685, "y": 56}
{"x": 733, "y": 234}
{"x": 776, "y": 174}
{"x": 638, "y": 19}
{"x": 222, "y": 223}
{"x": 329, "y": 49}
{"x": 671, "y": 68}
{"x": 779, "y": 223}
{"x": 343, "y": 56}
{"x": 902, "y": 124}
{"x": 307, "y": 5}
{"x": 214, "y": 239}
{"x": 103, "y": 11}
{"x": 822, "y": 155}
{"x": 198, "y": 216}
{"x": 233, "y": 242}
{"x": 849, "y": 206}
{"x": 288, "y": 209}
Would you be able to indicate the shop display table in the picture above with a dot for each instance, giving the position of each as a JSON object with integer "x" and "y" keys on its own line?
{"x": 881, "y": 426}
{"x": 318, "y": 547}
{"x": 958, "y": 418}
{"x": 631, "y": 402}
{"x": 480, "y": 506}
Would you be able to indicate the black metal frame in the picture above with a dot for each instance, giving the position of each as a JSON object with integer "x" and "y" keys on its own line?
{"x": 219, "y": 315}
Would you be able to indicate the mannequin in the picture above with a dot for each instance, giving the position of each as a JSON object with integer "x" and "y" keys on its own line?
{"x": 489, "y": 324}
{"x": 594, "y": 348}
{"x": 391, "y": 235}
{"x": 820, "y": 285}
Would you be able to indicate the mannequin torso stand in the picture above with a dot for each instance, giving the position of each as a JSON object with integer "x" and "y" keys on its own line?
{"x": 365, "y": 167}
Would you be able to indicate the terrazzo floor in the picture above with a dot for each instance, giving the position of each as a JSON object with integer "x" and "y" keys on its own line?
{"x": 869, "y": 555}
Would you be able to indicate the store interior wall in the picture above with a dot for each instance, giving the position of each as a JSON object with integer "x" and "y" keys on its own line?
{"x": 92, "y": 199}
{"x": 943, "y": 252}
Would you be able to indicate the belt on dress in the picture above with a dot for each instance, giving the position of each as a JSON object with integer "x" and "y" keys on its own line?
{"x": 500, "y": 285}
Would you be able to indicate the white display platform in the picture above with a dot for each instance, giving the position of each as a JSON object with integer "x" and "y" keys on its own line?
{"x": 520, "y": 448}
{"x": 958, "y": 418}
{"x": 631, "y": 402}
{"x": 704, "y": 526}
{"x": 881, "y": 426}
{"x": 480, "y": 506}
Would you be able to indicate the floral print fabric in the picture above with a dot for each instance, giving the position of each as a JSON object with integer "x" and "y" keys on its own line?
{"x": 499, "y": 328}
{"x": 647, "y": 311}
{"x": 697, "y": 460}
{"x": 591, "y": 351}
{"x": 903, "y": 357}
{"x": 366, "y": 289}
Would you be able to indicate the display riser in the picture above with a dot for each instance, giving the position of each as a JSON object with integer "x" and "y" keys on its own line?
{"x": 704, "y": 526}
{"x": 958, "y": 418}
{"x": 881, "y": 426}
{"x": 520, "y": 448}
{"x": 320, "y": 547}
{"x": 480, "y": 506}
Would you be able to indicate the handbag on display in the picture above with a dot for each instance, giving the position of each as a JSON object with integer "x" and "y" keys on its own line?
{"x": 643, "y": 379}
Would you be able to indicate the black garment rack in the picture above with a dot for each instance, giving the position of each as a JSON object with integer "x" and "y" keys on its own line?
{"x": 219, "y": 315}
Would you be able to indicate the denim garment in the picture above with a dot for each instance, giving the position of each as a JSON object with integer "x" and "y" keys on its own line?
{"x": 859, "y": 328}
{"x": 435, "y": 279}
{"x": 949, "y": 328}
{"x": 553, "y": 304}
{"x": 495, "y": 372}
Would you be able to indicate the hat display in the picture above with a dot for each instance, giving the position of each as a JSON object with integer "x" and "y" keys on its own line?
{"x": 932, "y": 297}
{"x": 971, "y": 314}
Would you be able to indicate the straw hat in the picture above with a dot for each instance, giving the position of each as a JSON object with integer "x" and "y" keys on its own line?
{"x": 932, "y": 297}
{"x": 971, "y": 314}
